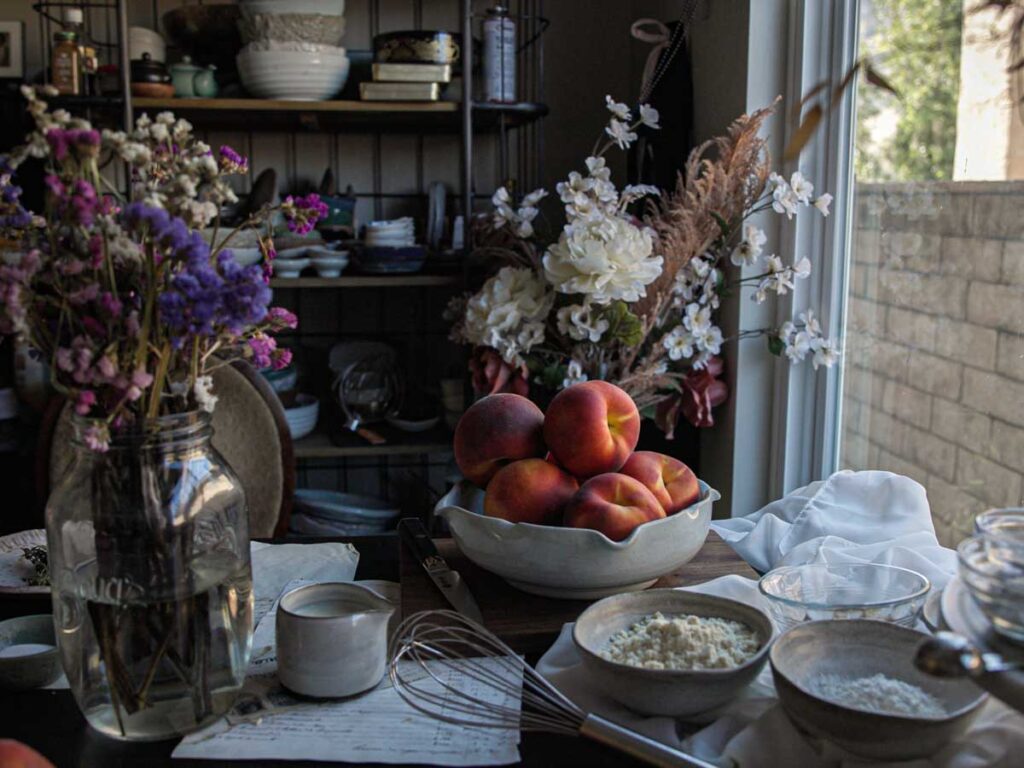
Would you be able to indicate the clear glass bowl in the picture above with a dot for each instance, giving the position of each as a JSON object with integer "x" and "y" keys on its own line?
{"x": 1002, "y": 531}
{"x": 997, "y": 586}
{"x": 799, "y": 593}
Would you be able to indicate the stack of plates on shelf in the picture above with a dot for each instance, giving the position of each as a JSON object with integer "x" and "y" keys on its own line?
{"x": 390, "y": 247}
{"x": 330, "y": 513}
{"x": 292, "y": 49}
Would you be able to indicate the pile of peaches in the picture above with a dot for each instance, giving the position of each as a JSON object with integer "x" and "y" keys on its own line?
{"x": 573, "y": 466}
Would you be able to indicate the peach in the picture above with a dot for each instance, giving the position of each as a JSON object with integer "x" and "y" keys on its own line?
{"x": 591, "y": 428}
{"x": 529, "y": 491}
{"x": 613, "y": 504}
{"x": 14, "y": 754}
{"x": 497, "y": 430}
{"x": 672, "y": 482}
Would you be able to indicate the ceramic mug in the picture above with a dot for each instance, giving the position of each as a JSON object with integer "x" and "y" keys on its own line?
{"x": 332, "y": 639}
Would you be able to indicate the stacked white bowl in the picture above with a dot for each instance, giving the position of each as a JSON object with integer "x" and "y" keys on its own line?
{"x": 398, "y": 233}
{"x": 292, "y": 49}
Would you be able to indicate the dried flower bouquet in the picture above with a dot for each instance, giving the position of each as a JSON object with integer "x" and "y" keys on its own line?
{"x": 633, "y": 300}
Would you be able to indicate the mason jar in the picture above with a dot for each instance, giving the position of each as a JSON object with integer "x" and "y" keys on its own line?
{"x": 148, "y": 546}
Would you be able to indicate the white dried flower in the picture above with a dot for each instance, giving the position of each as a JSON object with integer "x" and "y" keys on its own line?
{"x": 822, "y": 203}
{"x": 679, "y": 343}
{"x": 203, "y": 391}
{"x": 801, "y": 187}
{"x": 749, "y": 249}
{"x": 573, "y": 374}
{"x": 620, "y": 133}
{"x": 783, "y": 198}
{"x": 620, "y": 110}
{"x": 577, "y": 321}
{"x": 649, "y": 116}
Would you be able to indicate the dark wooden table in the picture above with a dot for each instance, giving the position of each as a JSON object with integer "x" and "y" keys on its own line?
{"x": 50, "y": 722}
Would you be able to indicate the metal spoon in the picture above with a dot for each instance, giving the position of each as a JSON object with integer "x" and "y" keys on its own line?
{"x": 948, "y": 654}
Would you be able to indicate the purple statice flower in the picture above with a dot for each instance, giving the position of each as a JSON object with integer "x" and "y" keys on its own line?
{"x": 167, "y": 232}
{"x": 246, "y": 294}
{"x": 83, "y": 203}
{"x": 233, "y": 162}
{"x": 85, "y": 401}
{"x": 302, "y": 213}
{"x": 83, "y": 142}
{"x": 281, "y": 319}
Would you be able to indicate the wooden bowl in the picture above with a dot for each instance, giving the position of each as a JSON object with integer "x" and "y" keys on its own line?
{"x": 153, "y": 90}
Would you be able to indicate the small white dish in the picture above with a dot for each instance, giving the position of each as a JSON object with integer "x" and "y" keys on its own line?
{"x": 332, "y": 639}
{"x": 14, "y": 568}
{"x": 302, "y": 418}
{"x": 289, "y": 267}
{"x": 329, "y": 266}
{"x": 28, "y": 653}
{"x": 246, "y": 256}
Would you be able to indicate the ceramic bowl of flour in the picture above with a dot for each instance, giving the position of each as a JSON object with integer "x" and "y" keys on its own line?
{"x": 670, "y": 692}
{"x": 853, "y": 682}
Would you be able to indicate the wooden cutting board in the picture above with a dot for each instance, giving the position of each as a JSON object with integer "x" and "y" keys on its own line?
{"x": 528, "y": 623}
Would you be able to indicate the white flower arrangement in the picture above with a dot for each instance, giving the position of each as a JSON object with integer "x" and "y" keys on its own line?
{"x": 633, "y": 300}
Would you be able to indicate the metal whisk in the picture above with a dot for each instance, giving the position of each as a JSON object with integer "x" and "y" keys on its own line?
{"x": 457, "y": 644}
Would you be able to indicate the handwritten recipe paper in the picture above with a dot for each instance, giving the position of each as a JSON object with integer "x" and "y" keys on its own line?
{"x": 376, "y": 727}
{"x": 268, "y": 722}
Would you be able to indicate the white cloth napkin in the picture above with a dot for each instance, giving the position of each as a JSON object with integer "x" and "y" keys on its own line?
{"x": 852, "y": 516}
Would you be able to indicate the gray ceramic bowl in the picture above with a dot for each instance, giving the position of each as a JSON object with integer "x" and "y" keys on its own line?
{"x": 22, "y": 673}
{"x": 855, "y": 648}
{"x": 664, "y": 691}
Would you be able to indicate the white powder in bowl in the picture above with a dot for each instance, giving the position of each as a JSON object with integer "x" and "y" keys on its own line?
{"x": 682, "y": 642}
{"x": 878, "y": 693}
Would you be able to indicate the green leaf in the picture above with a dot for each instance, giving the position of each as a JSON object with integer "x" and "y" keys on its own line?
{"x": 775, "y": 345}
{"x": 623, "y": 325}
{"x": 647, "y": 412}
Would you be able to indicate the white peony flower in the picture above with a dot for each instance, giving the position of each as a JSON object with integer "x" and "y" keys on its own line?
{"x": 573, "y": 374}
{"x": 649, "y": 116}
{"x": 606, "y": 260}
{"x": 822, "y": 203}
{"x": 801, "y": 187}
{"x": 508, "y": 313}
{"x": 620, "y": 133}
{"x": 620, "y": 110}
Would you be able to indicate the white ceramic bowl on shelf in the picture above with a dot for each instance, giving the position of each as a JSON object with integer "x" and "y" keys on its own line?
{"x": 329, "y": 266}
{"x": 322, "y": 7}
{"x": 302, "y": 418}
{"x": 298, "y": 75}
{"x": 289, "y": 267}
{"x": 575, "y": 563}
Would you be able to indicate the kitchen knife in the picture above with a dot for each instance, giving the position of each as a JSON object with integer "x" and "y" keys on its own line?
{"x": 448, "y": 581}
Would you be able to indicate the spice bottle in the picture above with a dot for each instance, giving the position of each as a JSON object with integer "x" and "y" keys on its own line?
{"x": 499, "y": 33}
{"x": 67, "y": 78}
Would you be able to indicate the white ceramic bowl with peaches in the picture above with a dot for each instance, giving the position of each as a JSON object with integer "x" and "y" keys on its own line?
{"x": 561, "y": 504}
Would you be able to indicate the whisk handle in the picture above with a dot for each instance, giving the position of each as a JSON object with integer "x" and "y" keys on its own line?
{"x": 639, "y": 746}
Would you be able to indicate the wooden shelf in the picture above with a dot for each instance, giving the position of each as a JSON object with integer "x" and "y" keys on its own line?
{"x": 337, "y": 115}
{"x": 365, "y": 281}
{"x": 321, "y": 445}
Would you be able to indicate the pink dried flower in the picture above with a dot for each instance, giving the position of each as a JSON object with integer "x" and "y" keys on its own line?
{"x": 85, "y": 401}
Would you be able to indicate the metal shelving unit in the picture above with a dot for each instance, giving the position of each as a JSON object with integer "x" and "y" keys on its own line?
{"x": 504, "y": 123}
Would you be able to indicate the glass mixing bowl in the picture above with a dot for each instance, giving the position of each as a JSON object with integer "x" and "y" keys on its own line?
{"x": 799, "y": 593}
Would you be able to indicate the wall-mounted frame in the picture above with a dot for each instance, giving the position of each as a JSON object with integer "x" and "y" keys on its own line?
{"x": 12, "y": 49}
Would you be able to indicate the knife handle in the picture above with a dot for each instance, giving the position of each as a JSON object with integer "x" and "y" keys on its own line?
{"x": 415, "y": 536}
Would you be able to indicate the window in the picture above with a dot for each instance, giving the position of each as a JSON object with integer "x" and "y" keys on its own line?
{"x": 933, "y": 385}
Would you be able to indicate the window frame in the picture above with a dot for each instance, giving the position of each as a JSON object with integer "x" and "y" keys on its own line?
{"x": 807, "y": 412}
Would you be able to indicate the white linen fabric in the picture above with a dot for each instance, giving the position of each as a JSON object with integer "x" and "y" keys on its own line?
{"x": 850, "y": 517}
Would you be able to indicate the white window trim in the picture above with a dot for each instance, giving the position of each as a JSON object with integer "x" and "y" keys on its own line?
{"x": 780, "y": 427}
{"x": 807, "y": 412}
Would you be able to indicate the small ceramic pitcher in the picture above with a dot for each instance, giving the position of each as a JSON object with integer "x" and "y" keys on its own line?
{"x": 332, "y": 639}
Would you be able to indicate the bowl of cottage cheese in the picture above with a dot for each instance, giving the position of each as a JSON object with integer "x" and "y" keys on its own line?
{"x": 671, "y": 652}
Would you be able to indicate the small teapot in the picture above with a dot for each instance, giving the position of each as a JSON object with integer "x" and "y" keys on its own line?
{"x": 332, "y": 639}
{"x": 192, "y": 81}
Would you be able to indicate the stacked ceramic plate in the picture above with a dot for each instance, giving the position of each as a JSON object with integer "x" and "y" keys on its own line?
{"x": 329, "y": 513}
{"x": 399, "y": 233}
{"x": 292, "y": 49}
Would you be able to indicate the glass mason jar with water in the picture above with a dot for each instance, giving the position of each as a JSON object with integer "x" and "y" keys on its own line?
{"x": 148, "y": 547}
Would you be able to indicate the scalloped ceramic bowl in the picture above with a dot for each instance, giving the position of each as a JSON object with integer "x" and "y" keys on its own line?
{"x": 574, "y": 563}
